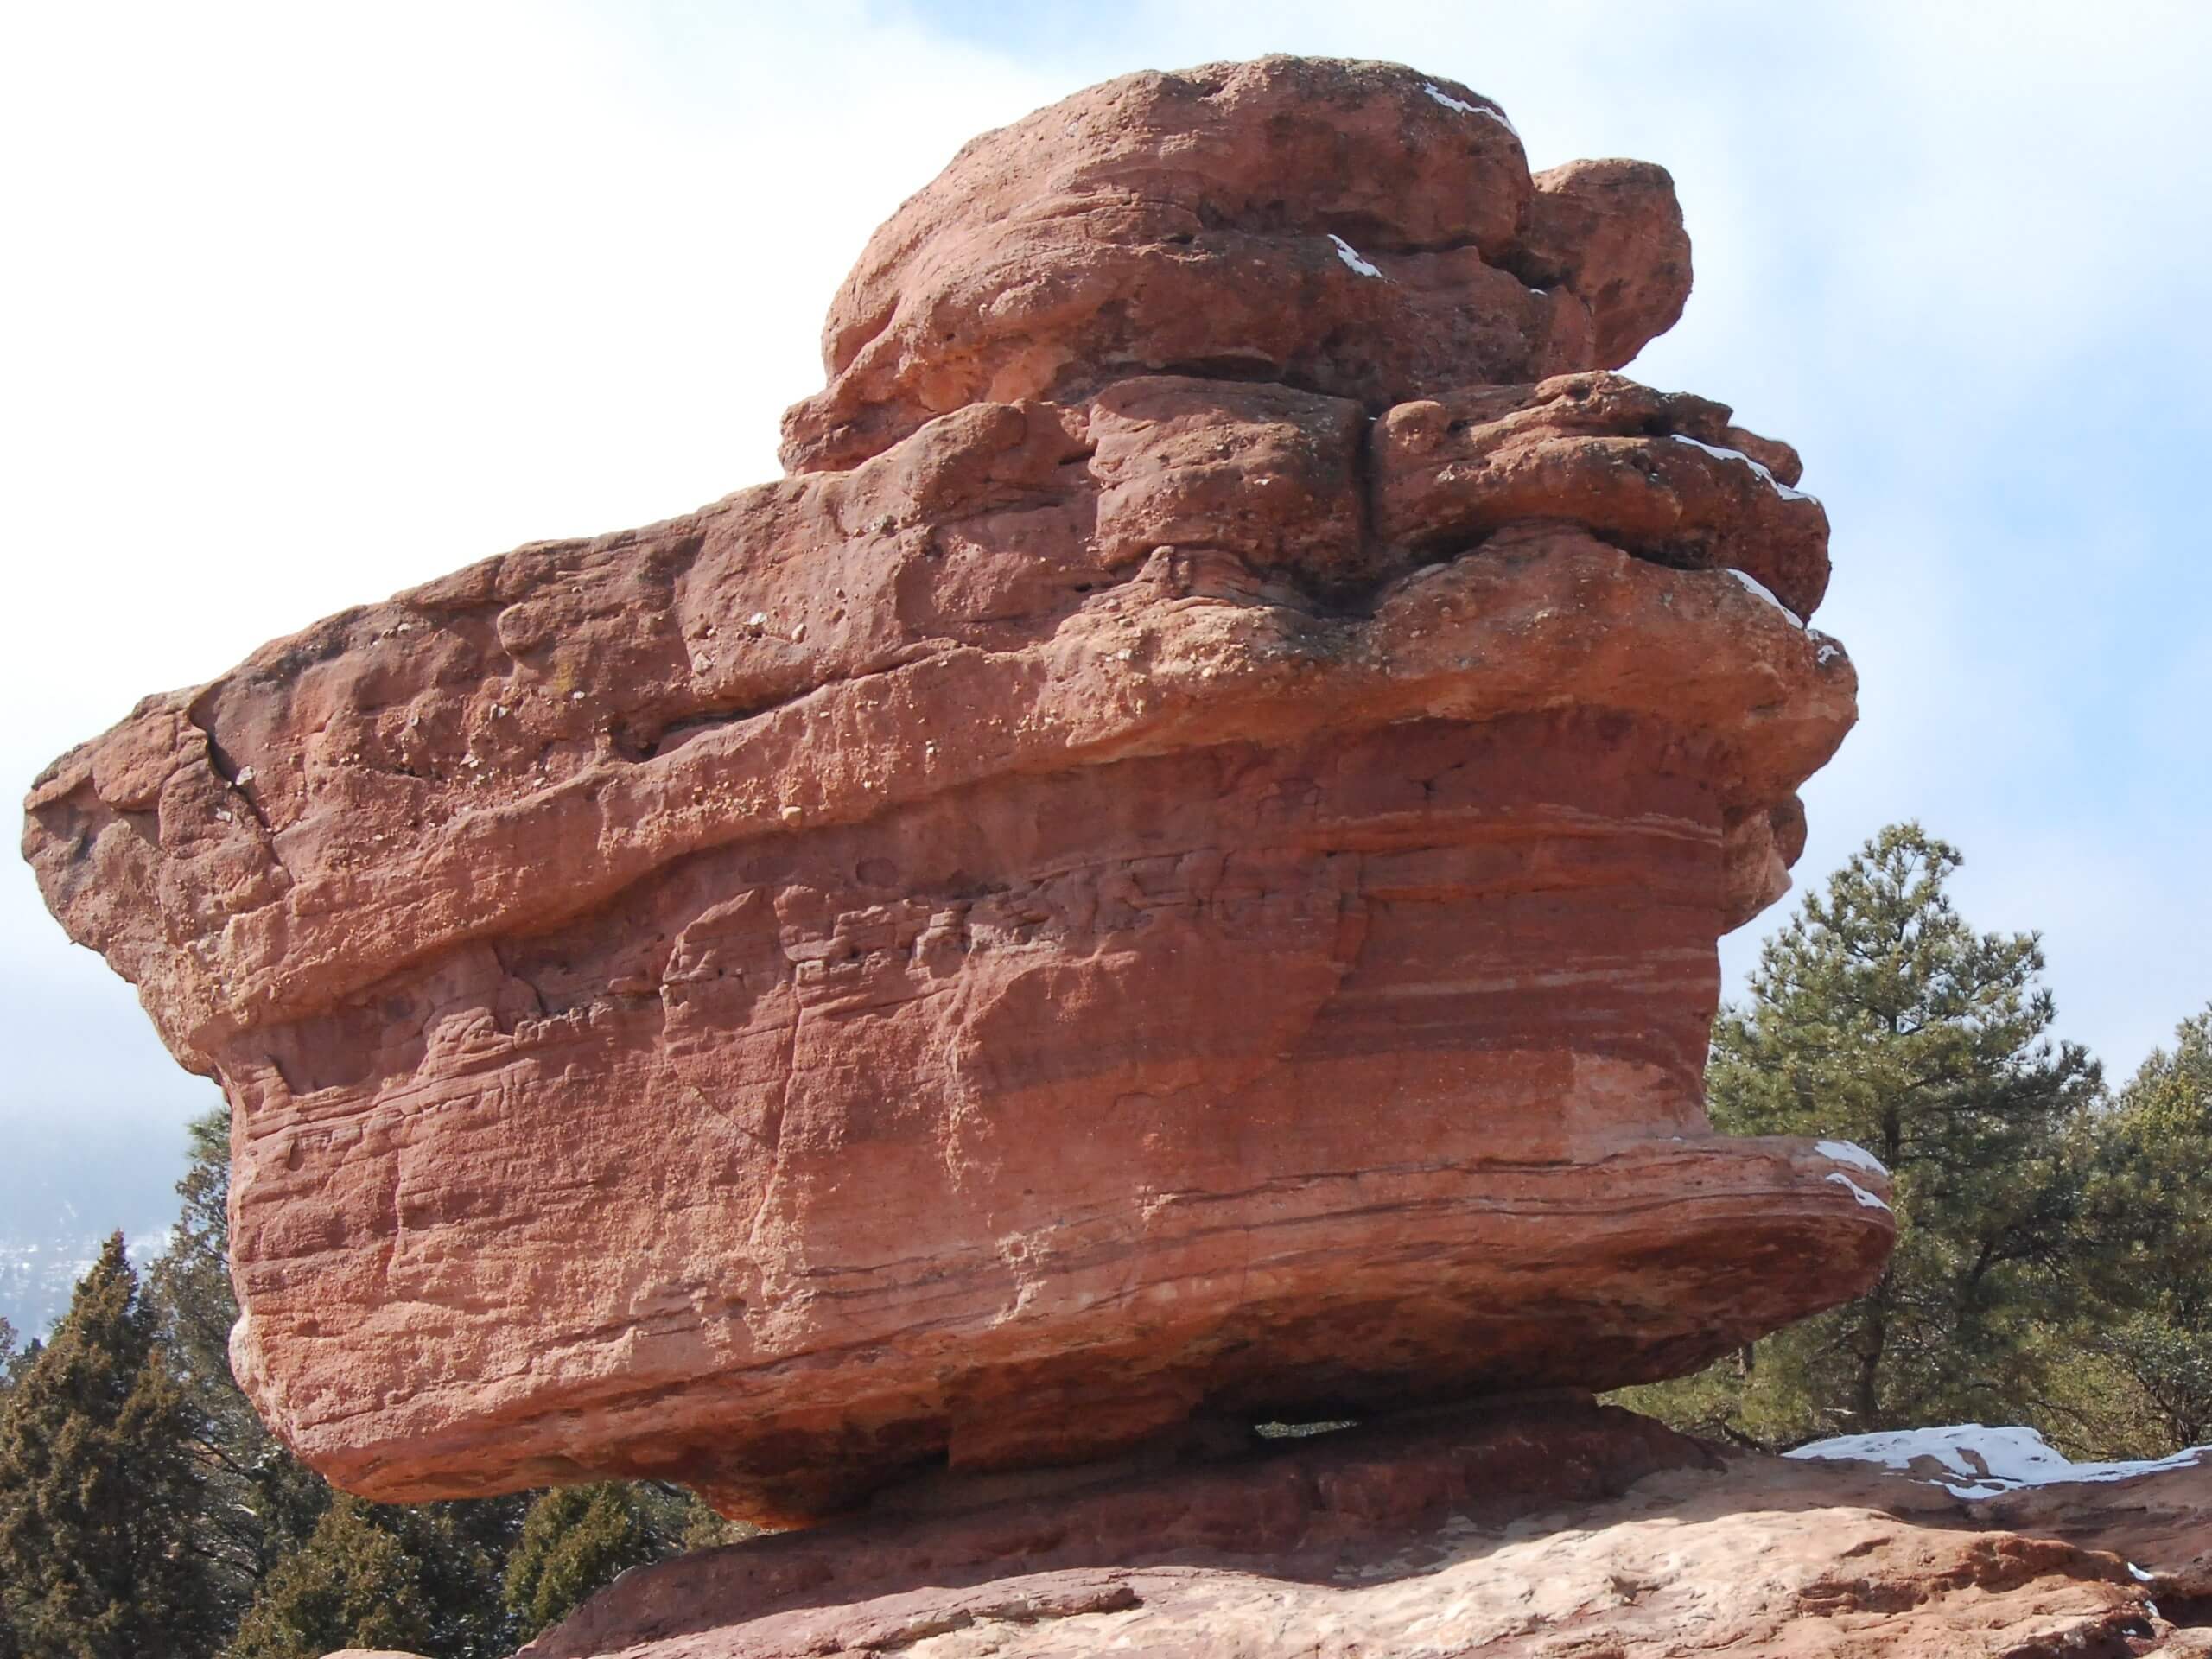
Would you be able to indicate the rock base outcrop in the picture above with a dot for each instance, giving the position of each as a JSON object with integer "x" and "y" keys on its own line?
{"x": 1550, "y": 1528}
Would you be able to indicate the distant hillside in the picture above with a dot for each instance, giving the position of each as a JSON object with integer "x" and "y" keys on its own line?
{"x": 65, "y": 1188}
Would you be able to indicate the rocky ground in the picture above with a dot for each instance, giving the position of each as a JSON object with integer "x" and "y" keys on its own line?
{"x": 1554, "y": 1527}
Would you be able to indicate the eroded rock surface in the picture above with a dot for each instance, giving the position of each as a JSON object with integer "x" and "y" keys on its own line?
{"x": 1110, "y": 898}
{"x": 1356, "y": 229}
{"x": 1536, "y": 1530}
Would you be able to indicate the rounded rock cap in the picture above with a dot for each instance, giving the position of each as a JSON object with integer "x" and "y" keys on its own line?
{"x": 1356, "y": 228}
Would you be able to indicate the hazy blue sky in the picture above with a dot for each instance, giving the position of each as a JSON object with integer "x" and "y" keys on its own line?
{"x": 307, "y": 303}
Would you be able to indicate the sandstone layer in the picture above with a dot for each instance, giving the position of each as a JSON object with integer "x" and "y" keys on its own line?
{"x": 1553, "y": 1530}
{"x": 1157, "y": 878}
{"x": 1351, "y": 228}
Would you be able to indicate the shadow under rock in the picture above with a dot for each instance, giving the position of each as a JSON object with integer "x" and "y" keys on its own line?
{"x": 1351, "y": 1508}
{"x": 1355, "y": 1506}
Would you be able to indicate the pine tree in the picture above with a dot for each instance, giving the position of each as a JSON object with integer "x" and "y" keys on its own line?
{"x": 262, "y": 1503}
{"x": 351, "y": 1584}
{"x": 2144, "y": 1333}
{"x": 99, "y": 1489}
{"x": 463, "y": 1547}
{"x": 1878, "y": 1015}
{"x": 420, "y": 1577}
{"x": 576, "y": 1540}
{"x": 15, "y": 1363}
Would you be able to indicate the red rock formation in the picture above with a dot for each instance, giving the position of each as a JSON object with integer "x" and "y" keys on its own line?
{"x": 1540, "y": 1529}
{"x": 1351, "y": 228}
{"x": 1145, "y": 896}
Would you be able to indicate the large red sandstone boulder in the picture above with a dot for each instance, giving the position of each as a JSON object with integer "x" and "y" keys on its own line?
{"x": 1149, "y": 896}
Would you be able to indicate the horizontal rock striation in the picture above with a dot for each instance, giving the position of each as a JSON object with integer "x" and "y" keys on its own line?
{"x": 1127, "y": 897}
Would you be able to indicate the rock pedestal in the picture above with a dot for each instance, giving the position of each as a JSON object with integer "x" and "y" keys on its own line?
{"x": 1538, "y": 1529}
{"x": 1167, "y": 874}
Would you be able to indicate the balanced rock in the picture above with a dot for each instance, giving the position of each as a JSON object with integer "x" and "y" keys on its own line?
{"x": 1169, "y": 873}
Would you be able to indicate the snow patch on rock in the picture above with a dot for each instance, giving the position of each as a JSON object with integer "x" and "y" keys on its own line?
{"x": 1970, "y": 1461}
{"x": 1350, "y": 256}
{"x": 1773, "y": 482}
{"x": 1846, "y": 1152}
{"x": 1765, "y": 593}
{"x": 1465, "y": 108}
{"x": 1866, "y": 1200}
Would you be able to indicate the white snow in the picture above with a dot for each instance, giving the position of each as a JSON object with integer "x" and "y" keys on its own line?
{"x": 1866, "y": 1200}
{"x": 1829, "y": 650}
{"x": 1765, "y": 593}
{"x": 1846, "y": 1152}
{"x": 1982, "y": 1462}
{"x": 1465, "y": 108}
{"x": 1349, "y": 255}
{"x": 2141, "y": 1577}
{"x": 1773, "y": 482}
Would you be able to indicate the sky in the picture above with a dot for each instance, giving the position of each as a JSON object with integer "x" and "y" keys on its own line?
{"x": 306, "y": 304}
